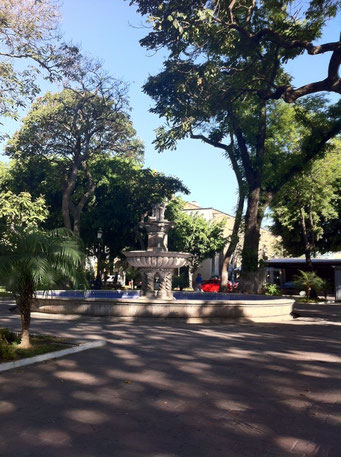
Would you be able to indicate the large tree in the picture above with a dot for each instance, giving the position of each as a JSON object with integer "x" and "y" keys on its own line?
{"x": 306, "y": 207}
{"x": 70, "y": 129}
{"x": 124, "y": 194}
{"x": 224, "y": 71}
{"x": 30, "y": 42}
{"x": 125, "y": 191}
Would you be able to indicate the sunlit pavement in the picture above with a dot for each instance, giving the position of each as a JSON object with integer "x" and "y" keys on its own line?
{"x": 258, "y": 390}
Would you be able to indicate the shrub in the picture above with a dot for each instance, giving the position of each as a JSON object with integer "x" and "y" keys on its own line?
{"x": 180, "y": 282}
{"x": 7, "y": 338}
{"x": 271, "y": 289}
{"x": 311, "y": 283}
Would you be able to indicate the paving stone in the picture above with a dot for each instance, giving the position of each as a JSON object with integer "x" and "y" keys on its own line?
{"x": 261, "y": 390}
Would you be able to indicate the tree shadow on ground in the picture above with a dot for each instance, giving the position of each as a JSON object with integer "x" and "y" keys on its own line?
{"x": 262, "y": 390}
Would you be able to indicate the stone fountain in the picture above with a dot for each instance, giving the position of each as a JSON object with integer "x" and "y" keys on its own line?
{"x": 157, "y": 261}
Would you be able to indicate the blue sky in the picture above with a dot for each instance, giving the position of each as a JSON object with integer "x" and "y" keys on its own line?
{"x": 110, "y": 30}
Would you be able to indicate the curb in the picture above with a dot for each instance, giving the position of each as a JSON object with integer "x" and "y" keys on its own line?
{"x": 50, "y": 355}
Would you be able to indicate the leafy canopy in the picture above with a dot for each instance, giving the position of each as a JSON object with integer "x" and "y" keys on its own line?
{"x": 21, "y": 210}
{"x": 73, "y": 124}
{"x": 71, "y": 128}
{"x": 314, "y": 198}
{"x": 125, "y": 192}
{"x": 30, "y": 41}
{"x": 36, "y": 259}
{"x": 194, "y": 234}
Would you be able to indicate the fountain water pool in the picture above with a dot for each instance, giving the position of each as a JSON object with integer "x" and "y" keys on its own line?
{"x": 163, "y": 303}
{"x": 191, "y": 307}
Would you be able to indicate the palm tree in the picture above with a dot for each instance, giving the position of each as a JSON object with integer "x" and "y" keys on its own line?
{"x": 33, "y": 260}
{"x": 311, "y": 283}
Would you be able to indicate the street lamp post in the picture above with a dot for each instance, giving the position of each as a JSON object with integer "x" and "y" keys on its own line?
{"x": 98, "y": 281}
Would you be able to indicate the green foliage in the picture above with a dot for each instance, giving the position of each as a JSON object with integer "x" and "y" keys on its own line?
{"x": 213, "y": 27}
{"x": 125, "y": 192}
{"x": 8, "y": 336}
{"x": 194, "y": 234}
{"x": 21, "y": 210}
{"x": 97, "y": 121}
{"x": 310, "y": 282}
{"x": 7, "y": 349}
{"x": 10, "y": 350}
{"x": 313, "y": 198}
{"x": 272, "y": 289}
{"x": 66, "y": 131}
{"x": 32, "y": 260}
{"x": 7, "y": 352}
{"x": 181, "y": 281}
{"x": 220, "y": 82}
{"x": 38, "y": 177}
{"x": 29, "y": 33}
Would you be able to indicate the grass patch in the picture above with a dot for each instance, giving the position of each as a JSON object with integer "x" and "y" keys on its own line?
{"x": 4, "y": 292}
{"x": 10, "y": 351}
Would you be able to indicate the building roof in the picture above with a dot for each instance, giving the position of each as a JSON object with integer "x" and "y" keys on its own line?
{"x": 299, "y": 261}
{"x": 193, "y": 206}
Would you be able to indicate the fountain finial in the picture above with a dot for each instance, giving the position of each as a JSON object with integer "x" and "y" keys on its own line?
{"x": 157, "y": 228}
{"x": 158, "y": 211}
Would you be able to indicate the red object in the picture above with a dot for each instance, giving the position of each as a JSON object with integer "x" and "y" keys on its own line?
{"x": 212, "y": 285}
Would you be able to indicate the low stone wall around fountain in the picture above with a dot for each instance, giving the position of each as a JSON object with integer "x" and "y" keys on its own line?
{"x": 241, "y": 308}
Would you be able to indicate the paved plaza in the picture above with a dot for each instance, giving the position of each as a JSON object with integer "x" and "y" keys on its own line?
{"x": 168, "y": 390}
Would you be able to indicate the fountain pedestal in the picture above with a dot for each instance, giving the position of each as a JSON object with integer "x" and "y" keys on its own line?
{"x": 157, "y": 261}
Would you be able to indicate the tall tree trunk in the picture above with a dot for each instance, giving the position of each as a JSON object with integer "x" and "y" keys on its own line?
{"x": 67, "y": 194}
{"x": 76, "y": 216}
{"x": 233, "y": 242}
{"x": 139, "y": 237}
{"x": 307, "y": 244}
{"x": 230, "y": 152}
{"x": 252, "y": 278}
{"x": 252, "y": 233}
{"x": 24, "y": 306}
{"x": 76, "y": 210}
{"x": 250, "y": 281}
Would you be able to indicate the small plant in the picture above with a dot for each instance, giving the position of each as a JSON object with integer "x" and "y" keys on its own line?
{"x": 271, "y": 289}
{"x": 326, "y": 286}
{"x": 8, "y": 336}
{"x": 180, "y": 282}
{"x": 41, "y": 344}
{"x": 7, "y": 348}
{"x": 311, "y": 283}
{"x": 4, "y": 292}
{"x": 35, "y": 259}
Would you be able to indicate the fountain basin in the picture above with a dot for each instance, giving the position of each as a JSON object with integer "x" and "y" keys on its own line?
{"x": 161, "y": 259}
{"x": 188, "y": 307}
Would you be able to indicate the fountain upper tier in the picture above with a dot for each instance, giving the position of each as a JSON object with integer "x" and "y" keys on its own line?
{"x": 157, "y": 261}
{"x": 165, "y": 259}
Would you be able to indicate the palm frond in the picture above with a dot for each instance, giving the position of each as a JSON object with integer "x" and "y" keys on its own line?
{"x": 42, "y": 258}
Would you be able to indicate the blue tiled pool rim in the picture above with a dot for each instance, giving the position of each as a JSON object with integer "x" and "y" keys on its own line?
{"x": 134, "y": 294}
